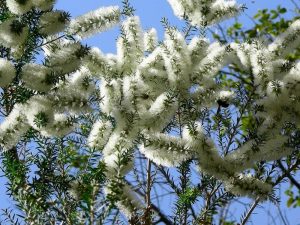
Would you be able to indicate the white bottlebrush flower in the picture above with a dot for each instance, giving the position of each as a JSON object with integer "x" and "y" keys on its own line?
{"x": 112, "y": 163}
{"x": 150, "y": 40}
{"x": 130, "y": 90}
{"x": 44, "y": 5}
{"x": 53, "y": 22}
{"x": 192, "y": 133}
{"x": 177, "y": 59}
{"x": 112, "y": 96}
{"x": 80, "y": 81}
{"x": 204, "y": 13}
{"x": 7, "y": 72}
{"x": 197, "y": 49}
{"x": 160, "y": 112}
{"x": 210, "y": 65}
{"x": 59, "y": 127}
{"x": 38, "y": 77}
{"x": 99, "y": 134}
{"x": 292, "y": 80}
{"x": 247, "y": 185}
{"x": 275, "y": 88}
{"x": 99, "y": 64}
{"x": 72, "y": 94}
{"x": 165, "y": 150}
{"x": 117, "y": 140}
{"x": 287, "y": 41}
{"x": 152, "y": 71}
{"x": 13, "y": 127}
{"x": 39, "y": 112}
{"x": 261, "y": 65}
{"x": 95, "y": 21}
{"x": 19, "y": 7}
{"x": 66, "y": 58}
{"x": 130, "y": 46}
{"x": 241, "y": 55}
{"x": 221, "y": 10}
{"x": 13, "y": 33}
{"x": 249, "y": 153}
{"x": 129, "y": 201}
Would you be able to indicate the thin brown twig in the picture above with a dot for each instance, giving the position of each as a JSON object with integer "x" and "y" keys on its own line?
{"x": 250, "y": 211}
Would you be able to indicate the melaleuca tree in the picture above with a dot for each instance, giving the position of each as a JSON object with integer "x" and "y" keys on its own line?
{"x": 86, "y": 136}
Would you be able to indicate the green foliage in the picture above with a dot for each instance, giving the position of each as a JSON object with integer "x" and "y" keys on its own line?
{"x": 293, "y": 198}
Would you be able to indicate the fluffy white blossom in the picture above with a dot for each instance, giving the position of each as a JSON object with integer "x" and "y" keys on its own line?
{"x": 7, "y": 72}
{"x": 211, "y": 64}
{"x": 222, "y": 9}
{"x": 130, "y": 201}
{"x": 247, "y": 185}
{"x": 249, "y": 153}
{"x": 204, "y": 13}
{"x": 53, "y": 22}
{"x": 38, "y": 77}
{"x": 112, "y": 94}
{"x": 99, "y": 64}
{"x": 12, "y": 33}
{"x": 39, "y": 112}
{"x": 95, "y": 21}
{"x": 198, "y": 48}
{"x": 59, "y": 127}
{"x": 260, "y": 59}
{"x": 130, "y": 45}
{"x": 43, "y": 4}
{"x": 73, "y": 93}
{"x": 112, "y": 163}
{"x": 287, "y": 41}
{"x": 99, "y": 134}
{"x": 242, "y": 52}
{"x": 177, "y": 59}
{"x": 165, "y": 150}
{"x": 13, "y": 127}
{"x": 117, "y": 140}
{"x": 19, "y": 8}
{"x": 150, "y": 40}
{"x": 161, "y": 111}
{"x": 66, "y": 57}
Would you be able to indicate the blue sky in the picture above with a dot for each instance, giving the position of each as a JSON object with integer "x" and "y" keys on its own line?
{"x": 151, "y": 13}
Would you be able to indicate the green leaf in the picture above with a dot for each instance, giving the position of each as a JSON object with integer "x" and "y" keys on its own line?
{"x": 290, "y": 202}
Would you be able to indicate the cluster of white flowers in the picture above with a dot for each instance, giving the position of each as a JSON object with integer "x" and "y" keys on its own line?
{"x": 164, "y": 149}
{"x": 142, "y": 86}
{"x": 51, "y": 113}
{"x": 130, "y": 45}
{"x": 7, "y": 72}
{"x": 53, "y": 22}
{"x": 130, "y": 201}
{"x": 13, "y": 127}
{"x": 202, "y": 13}
{"x": 99, "y": 134}
{"x": 21, "y": 7}
{"x": 150, "y": 40}
{"x": 94, "y": 21}
{"x": 37, "y": 77}
{"x": 13, "y": 33}
{"x": 66, "y": 56}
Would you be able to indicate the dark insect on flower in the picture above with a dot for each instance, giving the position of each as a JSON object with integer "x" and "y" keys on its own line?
{"x": 223, "y": 103}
